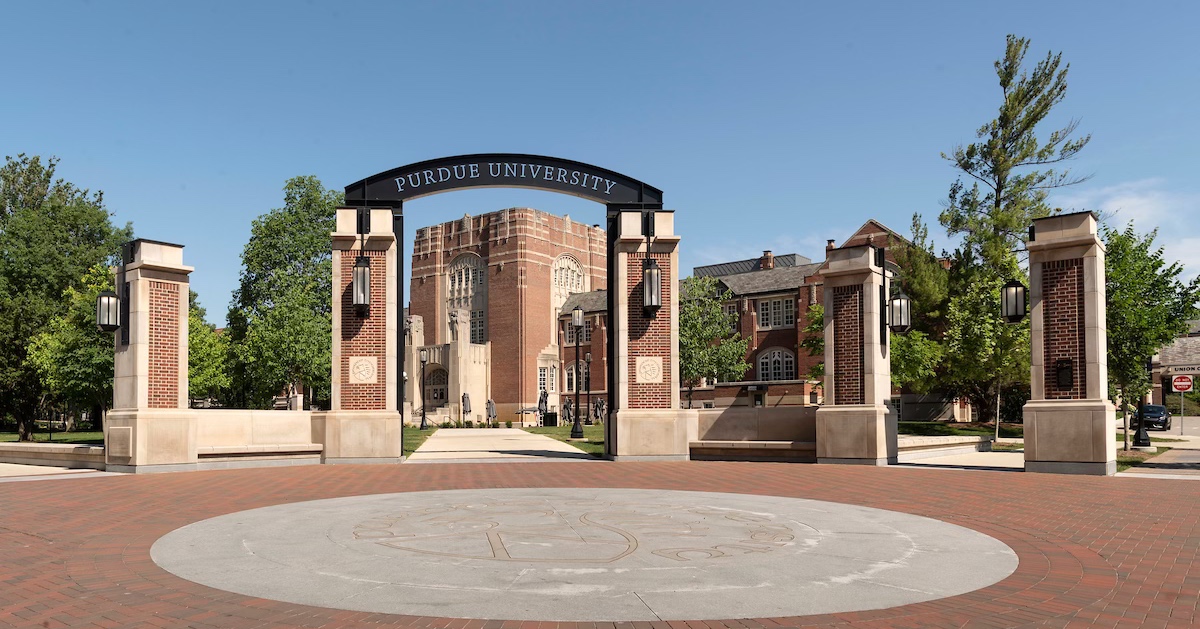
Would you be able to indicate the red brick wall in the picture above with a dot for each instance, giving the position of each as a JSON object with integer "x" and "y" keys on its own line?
{"x": 364, "y": 336}
{"x": 164, "y": 345}
{"x": 1062, "y": 325}
{"x": 649, "y": 336}
{"x": 597, "y": 346}
{"x": 848, "y": 344}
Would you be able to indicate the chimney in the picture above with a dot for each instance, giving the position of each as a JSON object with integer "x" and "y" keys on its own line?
{"x": 829, "y": 244}
{"x": 945, "y": 262}
{"x": 768, "y": 260}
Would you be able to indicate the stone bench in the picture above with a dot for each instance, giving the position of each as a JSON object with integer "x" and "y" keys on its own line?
{"x": 70, "y": 455}
{"x": 912, "y": 448}
{"x": 722, "y": 450}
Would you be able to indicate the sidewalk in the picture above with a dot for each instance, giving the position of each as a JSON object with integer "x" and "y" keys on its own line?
{"x": 493, "y": 445}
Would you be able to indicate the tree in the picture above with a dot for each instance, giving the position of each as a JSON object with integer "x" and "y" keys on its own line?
{"x": 812, "y": 338}
{"x": 1148, "y": 307}
{"x": 279, "y": 320}
{"x": 709, "y": 345}
{"x": 51, "y": 234}
{"x": 915, "y": 359}
{"x": 1007, "y": 166}
{"x": 208, "y": 373}
{"x": 995, "y": 219}
{"x": 924, "y": 279}
{"x": 72, "y": 356}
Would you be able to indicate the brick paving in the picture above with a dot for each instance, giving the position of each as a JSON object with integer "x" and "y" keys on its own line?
{"x": 1094, "y": 552}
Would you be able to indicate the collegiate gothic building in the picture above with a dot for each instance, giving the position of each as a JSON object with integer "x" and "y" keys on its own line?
{"x": 497, "y": 281}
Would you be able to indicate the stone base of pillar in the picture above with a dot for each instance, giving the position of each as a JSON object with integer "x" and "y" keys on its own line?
{"x": 358, "y": 436}
{"x": 1070, "y": 437}
{"x": 856, "y": 434}
{"x": 149, "y": 440}
{"x": 654, "y": 434}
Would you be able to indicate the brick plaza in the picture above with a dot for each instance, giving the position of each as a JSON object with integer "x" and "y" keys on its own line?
{"x": 1093, "y": 551}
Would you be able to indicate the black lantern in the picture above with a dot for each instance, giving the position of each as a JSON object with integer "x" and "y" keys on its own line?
{"x": 900, "y": 313}
{"x": 1012, "y": 301}
{"x": 362, "y": 285}
{"x": 108, "y": 311}
{"x": 651, "y": 286}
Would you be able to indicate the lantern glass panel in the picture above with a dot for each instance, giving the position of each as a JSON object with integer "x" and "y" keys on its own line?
{"x": 577, "y": 317}
{"x": 652, "y": 285}
{"x": 108, "y": 311}
{"x": 362, "y": 282}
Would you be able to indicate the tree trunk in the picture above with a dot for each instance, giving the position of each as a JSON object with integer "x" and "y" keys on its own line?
{"x": 689, "y": 397}
{"x": 1125, "y": 419}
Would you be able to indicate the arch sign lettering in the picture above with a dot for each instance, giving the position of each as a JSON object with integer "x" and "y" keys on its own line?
{"x": 500, "y": 170}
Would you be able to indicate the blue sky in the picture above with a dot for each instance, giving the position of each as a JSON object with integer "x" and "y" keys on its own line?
{"x": 769, "y": 125}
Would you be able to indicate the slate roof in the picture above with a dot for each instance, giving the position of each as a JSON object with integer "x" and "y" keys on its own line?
{"x": 748, "y": 266}
{"x": 594, "y": 301}
{"x": 774, "y": 280}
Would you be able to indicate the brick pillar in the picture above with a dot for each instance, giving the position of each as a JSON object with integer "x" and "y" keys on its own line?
{"x": 1069, "y": 425}
{"x": 855, "y": 425}
{"x": 363, "y": 425}
{"x": 150, "y": 427}
{"x": 649, "y": 422}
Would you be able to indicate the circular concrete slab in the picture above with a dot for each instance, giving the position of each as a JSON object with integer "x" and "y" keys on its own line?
{"x": 584, "y": 555}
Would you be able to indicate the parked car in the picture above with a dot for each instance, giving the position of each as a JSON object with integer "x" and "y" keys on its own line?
{"x": 1156, "y": 416}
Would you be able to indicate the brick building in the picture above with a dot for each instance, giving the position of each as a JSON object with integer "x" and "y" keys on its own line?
{"x": 511, "y": 270}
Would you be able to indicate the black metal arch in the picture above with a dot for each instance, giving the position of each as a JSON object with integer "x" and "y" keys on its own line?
{"x": 499, "y": 170}
{"x": 617, "y": 192}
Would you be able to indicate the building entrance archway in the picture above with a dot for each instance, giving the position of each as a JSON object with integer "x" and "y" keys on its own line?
{"x": 643, "y": 366}
{"x": 436, "y": 382}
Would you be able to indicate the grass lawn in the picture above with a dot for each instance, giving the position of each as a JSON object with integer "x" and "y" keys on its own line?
{"x": 594, "y": 435}
{"x": 1133, "y": 458}
{"x": 87, "y": 437}
{"x": 948, "y": 429}
{"x": 414, "y": 437}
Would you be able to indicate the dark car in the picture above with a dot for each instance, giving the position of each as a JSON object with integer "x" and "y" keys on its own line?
{"x": 1156, "y": 416}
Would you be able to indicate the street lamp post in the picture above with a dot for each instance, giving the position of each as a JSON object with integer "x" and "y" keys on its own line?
{"x": 577, "y": 323}
{"x": 424, "y": 359}
{"x": 587, "y": 383}
{"x": 1142, "y": 438}
{"x": 1013, "y": 298}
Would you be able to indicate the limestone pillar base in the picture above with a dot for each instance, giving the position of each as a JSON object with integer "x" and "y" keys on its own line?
{"x": 856, "y": 434}
{"x": 150, "y": 440}
{"x": 358, "y": 436}
{"x": 654, "y": 434}
{"x": 1070, "y": 437}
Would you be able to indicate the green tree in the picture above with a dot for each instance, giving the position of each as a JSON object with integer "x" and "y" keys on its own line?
{"x": 208, "y": 373}
{"x": 915, "y": 359}
{"x": 1011, "y": 172}
{"x": 1008, "y": 159}
{"x": 51, "y": 234}
{"x": 984, "y": 355}
{"x": 279, "y": 321}
{"x": 923, "y": 278}
{"x": 72, "y": 356}
{"x": 812, "y": 338}
{"x": 1148, "y": 307}
{"x": 709, "y": 344}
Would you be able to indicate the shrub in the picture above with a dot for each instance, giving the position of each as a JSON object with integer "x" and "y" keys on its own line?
{"x": 508, "y": 424}
{"x": 469, "y": 424}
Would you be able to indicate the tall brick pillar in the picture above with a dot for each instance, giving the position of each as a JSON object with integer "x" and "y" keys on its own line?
{"x": 649, "y": 422}
{"x": 363, "y": 424}
{"x": 150, "y": 427}
{"x": 855, "y": 426}
{"x": 1069, "y": 422}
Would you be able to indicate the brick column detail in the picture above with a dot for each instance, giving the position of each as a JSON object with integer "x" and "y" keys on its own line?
{"x": 363, "y": 336}
{"x": 164, "y": 345}
{"x": 1063, "y": 325}
{"x": 848, "y": 341}
{"x": 649, "y": 336}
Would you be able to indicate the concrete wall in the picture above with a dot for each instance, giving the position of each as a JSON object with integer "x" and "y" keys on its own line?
{"x": 744, "y": 423}
{"x": 228, "y": 428}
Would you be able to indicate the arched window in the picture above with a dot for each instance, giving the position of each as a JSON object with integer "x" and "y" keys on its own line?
{"x": 776, "y": 364}
{"x": 566, "y": 277}
{"x": 569, "y": 370}
{"x": 466, "y": 289}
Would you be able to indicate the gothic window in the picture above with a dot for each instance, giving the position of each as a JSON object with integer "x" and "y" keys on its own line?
{"x": 776, "y": 364}
{"x": 566, "y": 277}
{"x": 584, "y": 338}
{"x": 570, "y": 373}
{"x": 466, "y": 290}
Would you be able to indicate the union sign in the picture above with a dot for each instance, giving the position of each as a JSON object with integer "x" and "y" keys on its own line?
{"x": 1181, "y": 384}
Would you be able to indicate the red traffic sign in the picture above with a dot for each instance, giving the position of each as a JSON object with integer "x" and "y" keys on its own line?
{"x": 1181, "y": 384}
